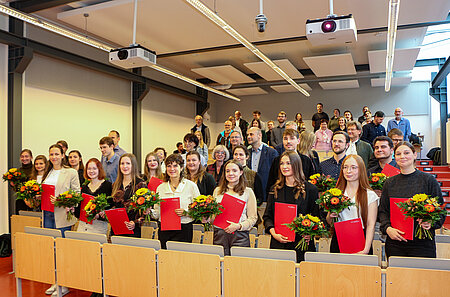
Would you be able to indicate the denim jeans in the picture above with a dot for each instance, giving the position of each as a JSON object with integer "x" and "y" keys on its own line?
{"x": 49, "y": 222}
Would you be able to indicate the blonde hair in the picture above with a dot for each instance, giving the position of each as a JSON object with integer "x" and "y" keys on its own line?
{"x": 307, "y": 139}
{"x": 200, "y": 143}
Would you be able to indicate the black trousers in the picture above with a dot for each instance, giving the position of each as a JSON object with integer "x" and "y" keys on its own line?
{"x": 183, "y": 235}
{"x": 410, "y": 249}
{"x": 227, "y": 240}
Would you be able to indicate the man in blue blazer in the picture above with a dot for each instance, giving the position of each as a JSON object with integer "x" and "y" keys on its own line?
{"x": 261, "y": 155}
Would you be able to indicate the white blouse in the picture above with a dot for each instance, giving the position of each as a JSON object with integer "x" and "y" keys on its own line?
{"x": 351, "y": 212}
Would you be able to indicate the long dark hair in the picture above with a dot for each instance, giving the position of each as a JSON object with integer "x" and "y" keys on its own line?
{"x": 299, "y": 177}
{"x": 34, "y": 172}
{"x": 80, "y": 164}
{"x": 159, "y": 173}
{"x": 50, "y": 164}
{"x": 240, "y": 186}
{"x": 201, "y": 169}
{"x": 134, "y": 174}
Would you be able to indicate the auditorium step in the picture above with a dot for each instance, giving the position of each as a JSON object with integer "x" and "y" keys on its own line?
{"x": 424, "y": 162}
{"x": 434, "y": 168}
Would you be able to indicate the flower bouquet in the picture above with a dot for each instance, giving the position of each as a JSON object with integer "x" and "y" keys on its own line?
{"x": 322, "y": 182}
{"x": 143, "y": 200}
{"x": 422, "y": 206}
{"x": 203, "y": 208}
{"x": 334, "y": 201}
{"x": 69, "y": 199}
{"x": 305, "y": 225}
{"x": 96, "y": 206}
{"x": 377, "y": 180}
{"x": 15, "y": 177}
{"x": 29, "y": 192}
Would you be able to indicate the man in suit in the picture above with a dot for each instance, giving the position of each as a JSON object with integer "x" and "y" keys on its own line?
{"x": 199, "y": 126}
{"x": 261, "y": 156}
{"x": 240, "y": 122}
{"x": 357, "y": 146}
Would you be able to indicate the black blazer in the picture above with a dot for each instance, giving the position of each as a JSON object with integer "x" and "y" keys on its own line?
{"x": 268, "y": 154}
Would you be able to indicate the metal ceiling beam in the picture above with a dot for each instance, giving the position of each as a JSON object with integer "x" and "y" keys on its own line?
{"x": 442, "y": 74}
{"x": 30, "y": 6}
{"x": 297, "y": 38}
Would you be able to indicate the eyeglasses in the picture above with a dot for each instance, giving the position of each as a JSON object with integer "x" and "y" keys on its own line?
{"x": 220, "y": 153}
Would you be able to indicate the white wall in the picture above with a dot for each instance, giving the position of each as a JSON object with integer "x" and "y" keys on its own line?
{"x": 4, "y": 222}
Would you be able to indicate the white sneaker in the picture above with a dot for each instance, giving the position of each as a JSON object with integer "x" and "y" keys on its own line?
{"x": 51, "y": 290}
{"x": 64, "y": 291}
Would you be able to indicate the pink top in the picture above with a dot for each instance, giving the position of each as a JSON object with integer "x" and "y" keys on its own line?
{"x": 323, "y": 140}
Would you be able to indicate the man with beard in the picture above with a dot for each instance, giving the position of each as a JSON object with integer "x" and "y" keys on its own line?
{"x": 383, "y": 150}
{"x": 320, "y": 114}
{"x": 277, "y": 132}
{"x": 339, "y": 144}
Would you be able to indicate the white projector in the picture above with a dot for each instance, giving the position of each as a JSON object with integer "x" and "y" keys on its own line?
{"x": 331, "y": 30}
{"x": 132, "y": 57}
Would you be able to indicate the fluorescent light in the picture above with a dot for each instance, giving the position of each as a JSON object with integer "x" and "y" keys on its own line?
{"x": 391, "y": 36}
{"x": 233, "y": 33}
{"x": 30, "y": 19}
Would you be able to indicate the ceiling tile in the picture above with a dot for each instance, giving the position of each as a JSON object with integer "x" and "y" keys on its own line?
{"x": 263, "y": 70}
{"x": 336, "y": 85}
{"x": 404, "y": 60}
{"x": 331, "y": 65}
{"x": 225, "y": 74}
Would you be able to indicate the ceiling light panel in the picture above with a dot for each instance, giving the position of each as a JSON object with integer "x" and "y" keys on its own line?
{"x": 225, "y": 74}
{"x": 289, "y": 88}
{"x": 405, "y": 59}
{"x": 337, "y": 85}
{"x": 331, "y": 65}
{"x": 248, "y": 91}
{"x": 263, "y": 70}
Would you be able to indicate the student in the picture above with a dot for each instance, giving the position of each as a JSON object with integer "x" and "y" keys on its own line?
{"x": 305, "y": 147}
{"x": 152, "y": 167}
{"x": 291, "y": 187}
{"x": 191, "y": 143}
{"x": 110, "y": 161}
{"x": 176, "y": 185}
{"x": 180, "y": 149}
{"x": 234, "y": 184}
{"x": 196, "y": 173}
{"x": 301, "y": 126}
{"x": 63, "y": 178}
{"x": 341, "y": 125}
{"x": 125, "y": 186}
{"x": 76, "y": 162}
{"x": 94, "y": 173}
{"x": 26, "y": 160}
{"x": 162, "y": 154}
{"x": 220, "y": 154}
{"x": 65, "y": 147}
{"x": 202, "y": 148}
{"x": 405, "y": 185}
{"x": 40, "y": 162}
{"x": 348, "y": 116}
{"x": 323, "y": 137}
{"x": 257, "y": 123}
{"x": 353, "y": 183}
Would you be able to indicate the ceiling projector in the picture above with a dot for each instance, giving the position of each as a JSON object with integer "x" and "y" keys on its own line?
{"x": 331, "y": 30}
{"x": 132, "y": 56}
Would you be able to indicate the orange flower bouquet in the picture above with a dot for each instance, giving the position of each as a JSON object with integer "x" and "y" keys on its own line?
{"x": 305, "y": 225}
{"x": 96, "y": 206}
{"x": 29, "y": 192}
{"x": 15, "y": 177}
{"x": 203, "y": 208}
{"x": 377, "y": 180}
{"x": 422, "y": 206}
{"x": 143, "y": 200}
{"x": 69, "y": 199}
{"x": 322, "y": 182}
{"x": 334, "y": 201}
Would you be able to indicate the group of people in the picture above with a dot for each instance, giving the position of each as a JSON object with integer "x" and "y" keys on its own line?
{"x": 254, "y": 171}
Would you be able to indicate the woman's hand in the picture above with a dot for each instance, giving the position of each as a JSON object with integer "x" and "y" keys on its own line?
{"x": 28, "y": 203}
{"x": 333, "y": 215}
{"x": 102, "y": 214}
{"x": 395, "y": 234}
{"x": 206, "y": 220}
{"x": 232, "y": 227}
{"x": 130, "y": 225}
{"x": 424, "y": 225}
{"x": 52, "y": 199}
{"x": 147, "y": 211}
{"x": 179, "y": 211}
{"x": 363, "y": 252}
{"x": 307, "y": 238}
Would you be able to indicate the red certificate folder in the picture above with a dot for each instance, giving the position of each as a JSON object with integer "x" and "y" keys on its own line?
{"x": 232, "y": 211}
{"x": 86, "y": 199}
{"x": 398, "y": 219}
{"x": 154, "y": 183}
{"x": 169, "y": 219}
{"x": 390, "y": 170}
{"x": 350, "y": 236}
{"x": 284, "y": 214}
{"x": 117, "y": 218}
{"x": 47, "y": 191}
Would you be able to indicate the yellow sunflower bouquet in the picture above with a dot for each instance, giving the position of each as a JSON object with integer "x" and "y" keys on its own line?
{"x": 29, "y": 192}
{"x": 377, "y": 180}
{"x": 426, "y": 208}
{"x": 322, "y": 182}
{"x": 203, "y": 208}
{"x": 15, "y": 177}
{"x": 334, "y": 201}
{"x": 69, "y": 199}
{"x": 305, "y": 225}
{"x": 143, "y": 200}
{"x": 96, "y": 206}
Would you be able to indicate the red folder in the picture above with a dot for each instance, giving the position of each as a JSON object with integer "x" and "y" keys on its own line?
{"x": 350, "y": 236}
{"x": 284, "y": 214}
{"x": 153, "y": 183}
{"x": 47, "y": 191}
{"x": 86, "y": 199}
{"x": 398, "y": 219}
{"x": 232, "y": 211}
{"x": 169, "y": 219}
{"x": 390, "y": 170}
{"x": 117, "y": 218}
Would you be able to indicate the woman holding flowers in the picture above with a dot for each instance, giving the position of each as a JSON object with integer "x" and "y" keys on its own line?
{"x": 353, "y": 183}
{"x": 405, "y": 185}
{"x": 152, "y": 167}
{"x": 97, "y": 185}
{"x": 233, "y": 183}
{"x": 40, "y": 162}
{"x": 126, "y": 184}
{"x": 196, "y": 173}
{"x": 292, "y": 188}
{"x": 176, "y": 185}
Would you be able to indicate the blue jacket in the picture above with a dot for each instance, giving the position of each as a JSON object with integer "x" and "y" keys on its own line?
{"x": 403, "y": 126}
{"x": 268, "y": 154}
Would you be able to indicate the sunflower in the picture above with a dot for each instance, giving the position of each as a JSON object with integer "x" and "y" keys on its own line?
{"x": 141, "y": 191}
{"x": 420, "y": 197}
{"x": 335, "y": 192}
